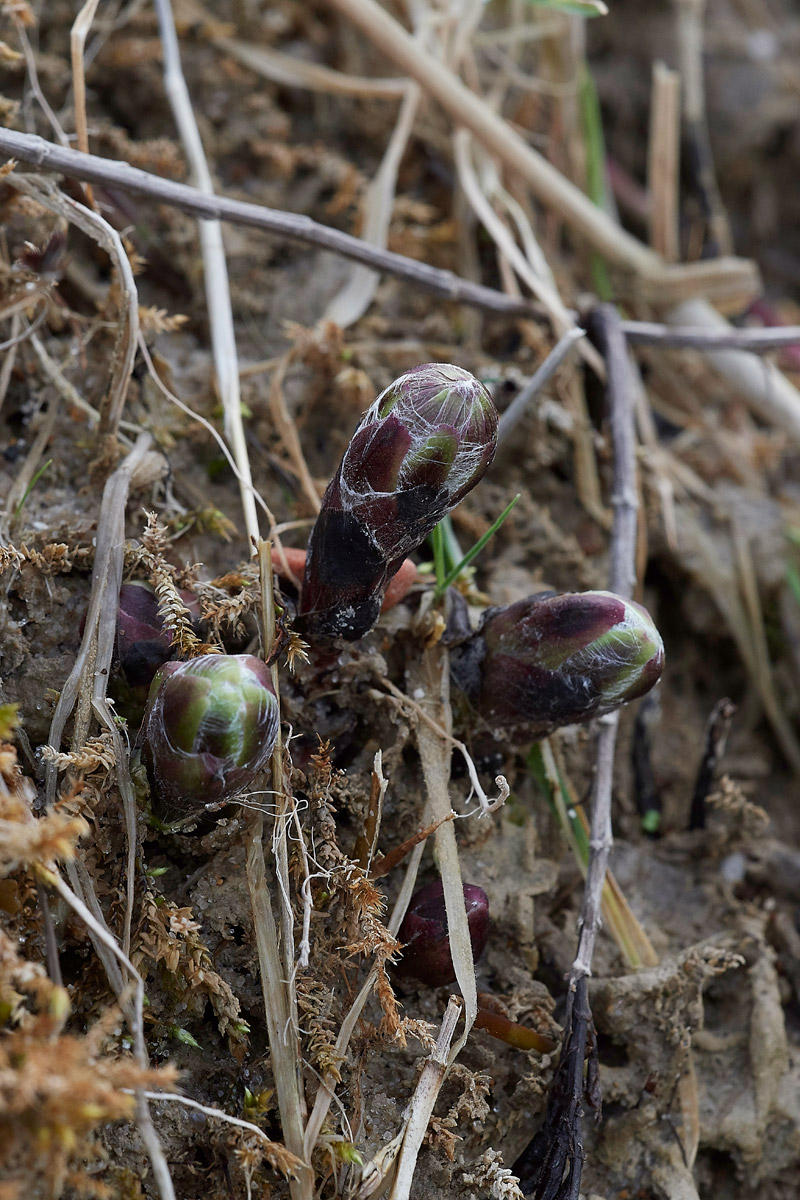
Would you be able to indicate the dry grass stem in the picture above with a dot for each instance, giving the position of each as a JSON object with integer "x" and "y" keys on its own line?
{"x": 659, "y": 283}
{"x": 77, "y": 43}
{"x": 275, "y": 978}
{"x": 662, "y": 161}
{"x": 422, "y": 1102}
{"x": 433, "y": 677}
{"x": 296, "y": 72}
{"x": 353, "y": 300}
{"x": 215, "y": 269}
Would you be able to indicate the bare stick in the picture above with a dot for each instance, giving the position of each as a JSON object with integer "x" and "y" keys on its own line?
{"x": 688, "y": 337}
{"x": 291, "y": 226}
{"x": 215, "y": 269}
{"x": 521, "y": 402}
{"x": 559, "y": 1171}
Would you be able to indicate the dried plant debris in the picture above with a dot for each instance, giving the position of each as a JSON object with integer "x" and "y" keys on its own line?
{"x": 308, "y": 715}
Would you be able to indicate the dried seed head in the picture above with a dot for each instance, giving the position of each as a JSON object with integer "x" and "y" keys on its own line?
{"x": 547, "y": 662}
{"x": 210, "y": 727}
{"x": 426, "y": 953}
{"x": 421, "y": 447}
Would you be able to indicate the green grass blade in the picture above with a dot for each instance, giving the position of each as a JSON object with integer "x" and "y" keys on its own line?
{"x": 31, "y": 486}
{"x": 442, "y": 584}
{"x": 592, "y": 121}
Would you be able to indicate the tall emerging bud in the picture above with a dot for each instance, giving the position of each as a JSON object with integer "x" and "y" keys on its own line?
{"x": 421, "y": 447}
{"x": 210, "y": 727}
{"x": 426, "y": 953}
{"x": 546, "y": 662}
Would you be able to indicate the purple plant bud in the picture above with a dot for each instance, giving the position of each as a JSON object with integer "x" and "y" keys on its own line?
{"x": 426, "y": 955}
{"x": 546, "y": 662}
{"x": 421, "y": 447}
{"x": 142, "y": 642}
{"x": 210, "y": 727}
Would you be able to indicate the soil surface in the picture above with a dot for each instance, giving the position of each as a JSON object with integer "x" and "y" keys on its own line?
{"x": 698, "y": 1025}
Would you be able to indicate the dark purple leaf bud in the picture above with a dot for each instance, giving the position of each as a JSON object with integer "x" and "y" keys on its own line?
{"x": 546, "y": 662}
{"x": 142, "y": 642}
{"x": 426, "y": 955}
{"x": 421, "y": 447}
{"x": 210, "y": 727}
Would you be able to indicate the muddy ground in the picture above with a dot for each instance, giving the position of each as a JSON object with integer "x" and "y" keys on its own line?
{"x": 698, "y": 1039}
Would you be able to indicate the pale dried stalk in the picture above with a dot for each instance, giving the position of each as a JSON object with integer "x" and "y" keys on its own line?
{"x": 7, "y": 364}
{"x": 327, "y": 1088}
{"x": 77, "y": 43}
{"x": 353, "y": 300}
{"x": 91, "y": 223}
{"x": 659, "y": 282}
{"x": 217, "y": 1114}
{"x": 710, "y": 336}
{"x": 287, "y": 431}
{"x": 423, "y": 1101}
{"x": 542, "y": 289}
{"x": 102, "y": 937}
{"x": 432, "y": 675}
{"x": 276, "y": 989}
{"x": 282, "y": 1037}
{"x": 663, "y": 150}
{"x": 768, "y": 392}
{"x": 85, "y": 688}
{"x": 296, "y": 72}
{"x": 215, "y": 270}
{"x": 689, "y": 30}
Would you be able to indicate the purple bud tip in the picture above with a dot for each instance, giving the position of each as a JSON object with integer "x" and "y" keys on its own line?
{"x": 426, "y": 954}
{"x": 422, "y": 446}
{"x": 547, "y": 662}
{"x": 142, "y": 643}
{"x": 210, "y": 728}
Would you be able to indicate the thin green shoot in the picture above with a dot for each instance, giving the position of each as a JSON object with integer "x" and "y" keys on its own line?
{"x": 592, "y": 122}
{"x": 439, "y": 566}
{"x": 31, "y": 486}
{"x": 442, "y": 584}
{"x": 793, "y": 580}
{"x": 620, "y": 920}
{"x": 580, "y": 8}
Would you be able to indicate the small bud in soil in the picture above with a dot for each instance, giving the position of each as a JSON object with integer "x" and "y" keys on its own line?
{"x": 210, "y": 727}
{"x": 142, "y": 642}
{"x": 546, "y": 662}
{"x": 421, "y": 447}
{"x": 424, "y": 932}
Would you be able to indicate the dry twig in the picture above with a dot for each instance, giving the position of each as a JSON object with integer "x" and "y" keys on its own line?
{"x": 291, "y": 226}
